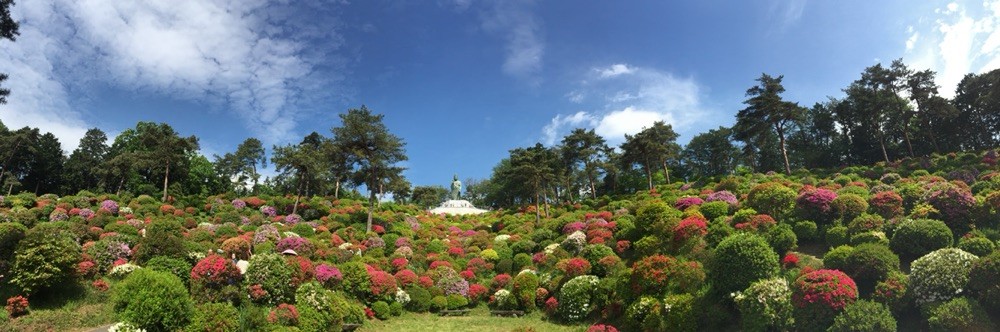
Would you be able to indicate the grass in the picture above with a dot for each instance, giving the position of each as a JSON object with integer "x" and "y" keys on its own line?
{"x": 479, "y": 320}
{"x": 78, "y": 308}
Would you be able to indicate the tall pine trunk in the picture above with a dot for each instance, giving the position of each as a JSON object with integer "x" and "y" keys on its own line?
{"x": 371, "y": 208}
{"x": 166, "y": 177}
{"x": 336, "y": 190}
{"x": 784, "y": 153}
{"x": 666, "y": 171}
{"x": 649, "y": 177}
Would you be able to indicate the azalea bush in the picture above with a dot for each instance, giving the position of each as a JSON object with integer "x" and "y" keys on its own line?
{"x": 741, "y": 259}
{"x": 819, "y": 296}
{"x": 766, "y": 305}
{"x": 575, "y": 297}
{"x": 940, "y": 275}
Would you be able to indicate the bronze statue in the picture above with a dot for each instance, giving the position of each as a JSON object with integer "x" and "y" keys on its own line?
{"x": 456, "y": 188}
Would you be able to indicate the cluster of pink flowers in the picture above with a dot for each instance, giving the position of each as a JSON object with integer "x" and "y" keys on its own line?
{"x": 829, "y": 289}
{"x": 110, "y": 206}
{"x": 572, "y": 227}
{"x": 685, "y": 202}
{"x": 724, "y": 196}
{"x": 326, "y": 274}
{"x": 239, "y": 204}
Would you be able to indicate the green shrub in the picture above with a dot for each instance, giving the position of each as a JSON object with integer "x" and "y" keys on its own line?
{"x": 836, "y": 258}
{"x": 681, "y": 315}
{"x": 717, "y": 231}
{"x": 273, "y": 275}
{"x": 214, "y": 317}
{"x": 46, "y": 257}
{"x": 741, "y": 259}
{"x": 979, "y": 246}
{"x": 983, "y": 280}
{"x": 457, "y": 301}
{"x": 420, "y": 299}
{"x": 320, "y": 308}
{"x": 10, "y": 235}
{"x": 153, "y": 300}
{"x": 849, "y": 206}
{"x": 381, "y": 310}
{"x": 396, "y": 309}
{"x": 772, "y": 199}
{"x": 869, "y": 237}
{"x": 524, "y": 287}
{"x": 439, "y": 303}
{"x": 303, "y": 230}
{"x": 940, "y": 275}
{"x": 163, "y": 238}
{"x": 766, "y": 305}
{"x": 712, "y": 210}
{"x": 865, "y": 223}
{"x": 836, "y": 236}
{"x": 960, "y": 314}
{"x": 864, "y": 316}
{"x": 915, "y": 238}
{"x": 870, "y": 263}
{"x": 782, "y": 238}
{"x": 806, "y": 230}
{"x": 522, "y": 261}
{"x": 177, "y": 267}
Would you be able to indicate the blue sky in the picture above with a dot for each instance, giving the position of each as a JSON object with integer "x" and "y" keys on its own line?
{"x": 462, "y": 82}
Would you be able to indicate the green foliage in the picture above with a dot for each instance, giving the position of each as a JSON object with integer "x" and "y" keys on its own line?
{"x": 983, "y": 280}
{"x": 915, "y": 238}
{"x": 321, "y": 309}
{"x": 457, "y": 301}
{"x": 864, "y": 316}
{"x": 806, "y": 231}
{"x": 381, "y": 310}
{"x": 712, "y": 210}
{"x": 740, "y": 260}
{"x": 836, "y": 258}
{"x": 214, "y": 317}
{"x": 153, "y": 300}
{"x": 420, "y": 299}
{"x": 836, "y": 236}
{"x": 772, "y": 199}
{"x": 979, "y": 246}
{"x": 273, "y": 275}
{"x": 46, "y": 257}
{"x": 524, "y": 286}
{"x": 960, "y": 314}
{"x": 766, "y": 305}
{"x": 870, "y": 263}
{"x": 177, "y": 267}
{"x": 781, "y": 238}
{"x": 439, "y": 303}
{"x": 10, "y": 235}
{"x": 163, "y": 238}
{"x": 681, "y": 315}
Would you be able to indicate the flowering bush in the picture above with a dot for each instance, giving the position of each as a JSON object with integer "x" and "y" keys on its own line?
{"x": 17, "y": 306}
{"x": 685, "y": 202}
{"x": 383, "y": 284}
{"x": 819, "y": 295}
{"x": 953, "y": 203}
{"x": 760, "y": 222}
{"x": 110, "y": 206}
{"x": 100, "y": 285}
{"x": 575, "y": 297}
{"x": 601, "y": 328}
{"x": 328, "y": 275}
{"x": 477, "y": 292}
{"x": 273, "y": 274}
{"x": 864, "y": 316}
{"x": 791, "y": 260}
{"x": 574, "y": 242}
{"x": 58, "y": 214}
{"x": 573, "y": 267}
{"x": 887, "y": 204}
{"x": 689, "y": 228}
{"x": 893, "y": 292}
{"x": 503, "y": 300}
{"x": 657, "y": 274}
{"x": 572, "y": 227}
{"x": 766, "y": 305}
{"x": 723, "y": 196}
{"x": 292, "y": 219}
{"x": 940, "y": 275}
{"x": 215, "y": 271}
{"x": 815, "y": 204}
{"x": 300, "y": 245}
{"x": 284, "y": 314}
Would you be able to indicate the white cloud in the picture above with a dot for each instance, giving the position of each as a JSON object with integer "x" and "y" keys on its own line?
{"x": 964, "y": 38}
{"x": 521, "y": 30}
{"x": 614, "y": 70}
{"x": 575, "y": 96}
{"x": 629, "y": 105}
{"x": 785, "y": 13}
{"x": 246, "y": 55}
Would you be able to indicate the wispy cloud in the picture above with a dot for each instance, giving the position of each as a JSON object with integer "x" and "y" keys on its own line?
{"x": 786, "y": 13}
{"x": 630, "y": 104}
{"x": 248, "y": 56}
{"x": 521, "y": 29}
{"x": 963, "y": 38}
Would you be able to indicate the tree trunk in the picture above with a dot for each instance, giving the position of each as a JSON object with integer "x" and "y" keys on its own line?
{"x": 906, "y": 137}
{"x": 166, "y": 177}
{"x": 298, "y": 194}
{"x": 336, "y": 190}
{"x": 649, "y": 177}
{"x": 538, "y": 211}
{"x": 881, "y": 142}
{"x": 545, "y": 198}
{"x": 371, "y": 208}
{"x": 666, "y": 171}
{"x": 784, "y": 153}
{"x": 593, "y": 189}
{"x": 121, "y": 183}
{"x": 10, "y": 189}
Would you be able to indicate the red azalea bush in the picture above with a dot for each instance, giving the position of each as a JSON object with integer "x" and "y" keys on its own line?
{"x": 954, "y": 204}
{"x": 819, "y": 295}
{"x": 602, "y": 328}
{"x": 100, "y": 285}
{"x": 406, "y": 278}
{"x": 215, "y": 271}
{"x": 501, "y": 281}
{"x": 659, "y": 273}
{"x": 467, "y": 275}
{"x": 382, "y": 283}
{"x": 302, "y": 269}
{"x": 551, "y": 306}
{"x": 478, "y": 265}
{"x": 790, "y": 260}
{"x": 436, "y": 264}
{"x": 456, "y": 251}
{"x": 760, "y": 222}
{"x": 17, "y": 306}
{"x": 285, "y": 314}
{"x": 477, "y": 292}
{"x": 685, "y": 202}
{"x": 573, "y": 267}
{"x": 425, "y": 282}
{"x": 690, "y": 227}
{"x": 399, "y": 263}
{"x": 887, "y": 204}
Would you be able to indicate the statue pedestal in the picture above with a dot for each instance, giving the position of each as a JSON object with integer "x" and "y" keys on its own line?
{"x": 457, "y": 207}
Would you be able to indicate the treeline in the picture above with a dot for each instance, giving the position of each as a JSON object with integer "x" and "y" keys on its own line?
{"x": 890, "y": 112}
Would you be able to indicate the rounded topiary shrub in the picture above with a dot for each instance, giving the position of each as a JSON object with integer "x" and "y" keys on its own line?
{"x": 163, "y": 238}
{"x": 960, "y": 314}
{"x": 740, "y": 260}
{"x": 10, "y": 235}
{"x": 915, "y": 238}
{"x": 887, "y": 204}
{"x": 837, "y": 236}
{"x": 953, "y": 204}
{"x": 806, "y": 230}
{"x": 864, "y": 316}
{"x": 865, "y": 223}
{"x": 836, "y": 258}
{"x": 175, "y": 266}
{"x": 575, "y": 297}
{"x": 273, "y": 275}
{"x": 457, "y": 301}
{"x": 816, "y": 204}
{"x": 381, "y": 310}
{"x": 771, "y": 198}
{"x": 781, "y": 238}
{"x": 940, "y": 275}
{"x": 984, "y": 280}
{"x": 525, "y": 285}
{"x": 658, "y": 274}
{"x": 210, "y": 275}
{"x": 819, "y": 296}
{"x": 712, "y": 210}
{"x": 439, "y": 303}
{"x": 979, "y": 246}
{"x": 870, "y": 263}
{"x": 849, "y": 206}
{"x": 153, "y": 300}
{"x": 47, "y": 256}
{"x": 766, "y": 305}
{"x": 214, "y": 317}
{"x": 893, "y": 292}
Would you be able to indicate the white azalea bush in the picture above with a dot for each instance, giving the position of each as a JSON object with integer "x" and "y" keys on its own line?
{"x": 940, "y": 275}
{"x": 766, "y": 305}
{"x": 124, "y": 327}
{"x": 575, "y": 297}
{"x": 123, "y": 270}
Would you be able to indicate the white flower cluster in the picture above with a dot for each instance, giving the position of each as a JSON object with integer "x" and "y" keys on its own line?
{"x": 549, "y": 249}
{"x": 501, "y": 238}
{"x": 124, "y": 210}
{"x": 501, "y": 295}
{"x": 290, "y": 234}
{"x": 196, "y": 255}
{"x": 575, "y": 242}
{"x": 401, "y": 296}
{"x": 575, "y": 297}
{"x": 940, "y": 275}
{"x": 527, "y": 271}
{"x": 124, "y": 327}
{"x": 121, "y": 271}
{"x": 766, "y": 304}
{"x": 345, "y": 246}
